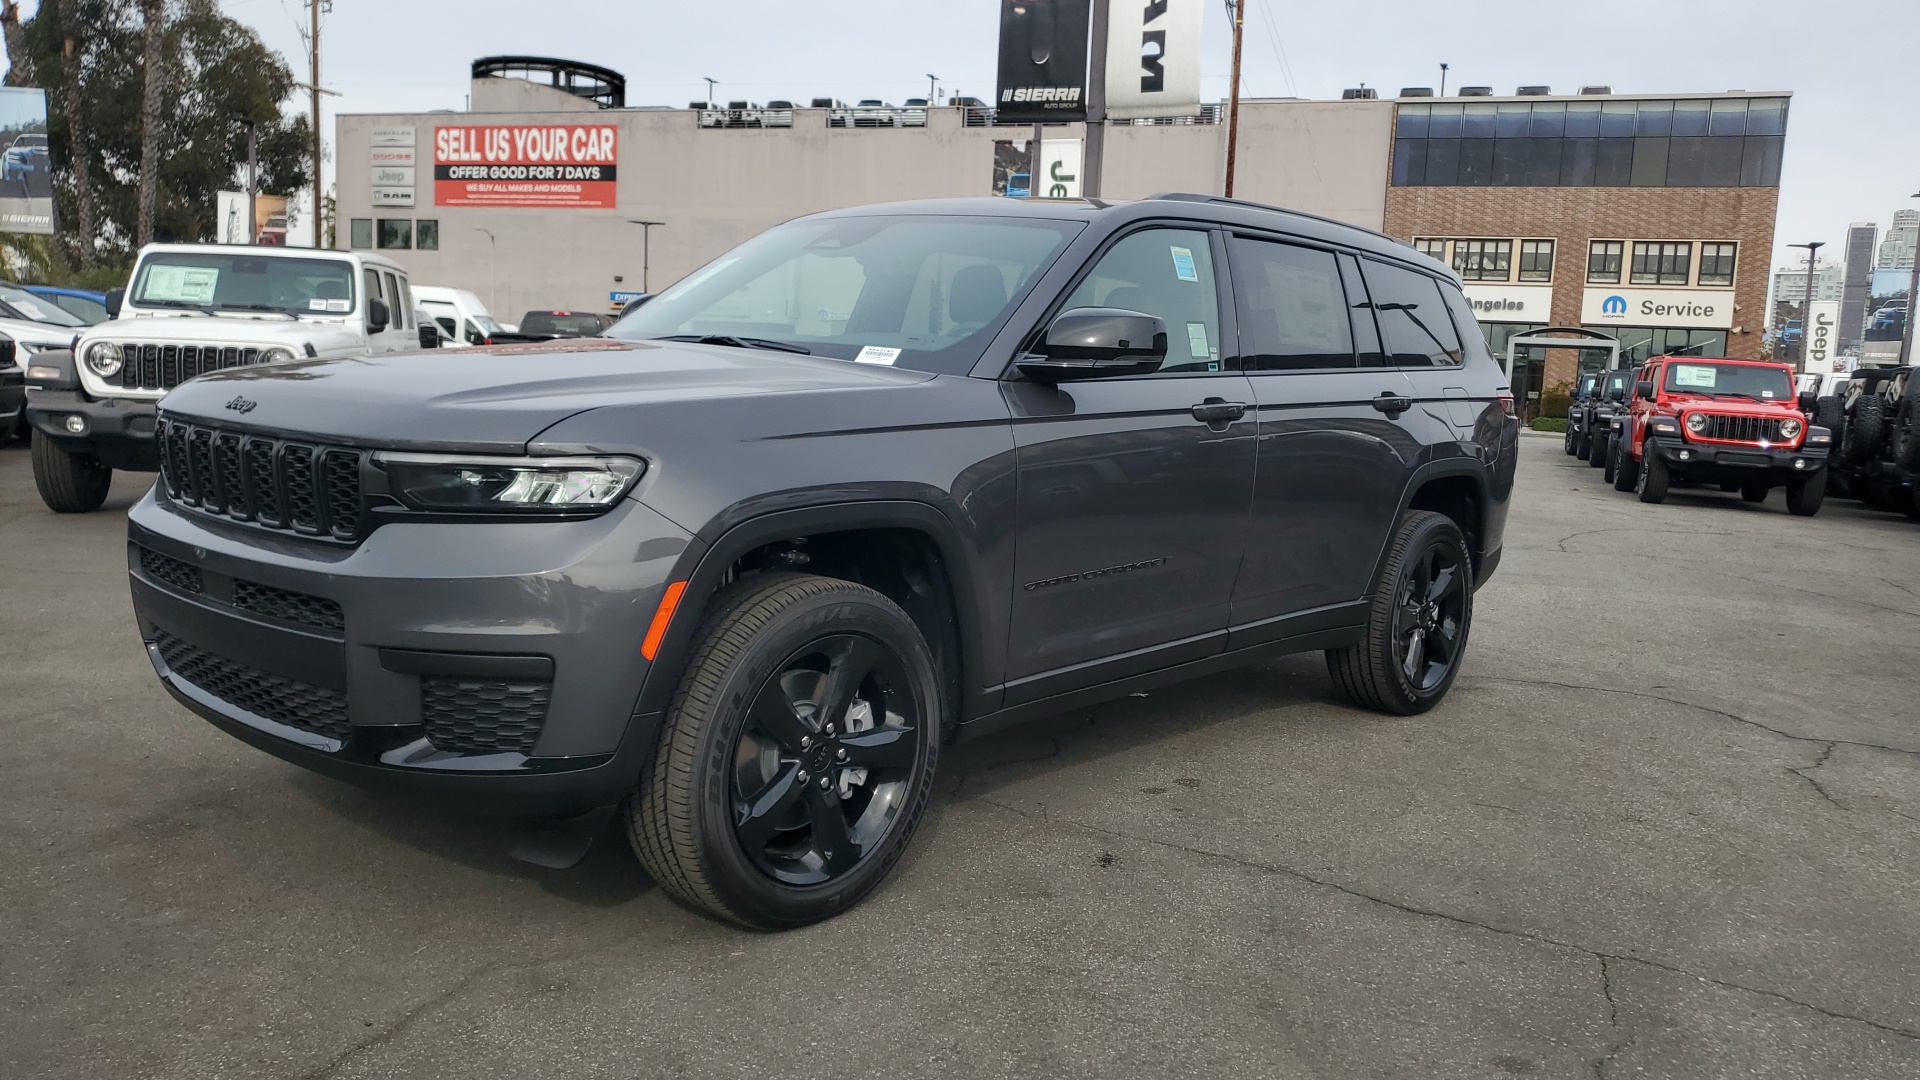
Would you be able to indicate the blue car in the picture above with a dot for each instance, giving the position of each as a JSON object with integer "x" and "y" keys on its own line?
{"x": 87, "y": 305}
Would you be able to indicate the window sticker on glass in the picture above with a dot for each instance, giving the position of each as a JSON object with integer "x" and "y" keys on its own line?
{"x": 1197, "y": 341}
{"x": 1698, "y": 375}
{"x": 184, "y": 284}
{"x": 874, "y": 354}
{"x": 1183, "y": 264}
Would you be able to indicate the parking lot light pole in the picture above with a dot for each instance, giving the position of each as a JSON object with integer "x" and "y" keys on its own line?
{"x": 1913, "y": 287}
{"x": 1806, "y": 309}
{"x": 493, "y": 281}
{"x": 710, "y": 84}
{"x": 646, "y": 248}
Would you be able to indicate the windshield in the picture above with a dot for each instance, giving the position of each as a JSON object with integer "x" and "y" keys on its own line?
{"x": 1618, "y": 380}
{"x": 920, "y": 292}
{"x": 233, "y": 281}
{"x": 39, "y": 310}
{"x": 1730, "y": 380}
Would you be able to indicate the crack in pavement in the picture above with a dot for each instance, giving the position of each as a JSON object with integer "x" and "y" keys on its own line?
{"x": 1806, "y": 773}
{"x": 1562, "y": 542}
{"x": 1458, "y": 920}
{"x": 1606, "y": 988}
{"x": 1695, "y": 705}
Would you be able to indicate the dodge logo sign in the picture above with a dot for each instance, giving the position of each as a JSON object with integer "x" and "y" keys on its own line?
{"x": 241, "y": 405}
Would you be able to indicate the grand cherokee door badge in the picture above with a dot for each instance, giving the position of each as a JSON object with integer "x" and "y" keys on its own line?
{"x": 1108, "y": 571}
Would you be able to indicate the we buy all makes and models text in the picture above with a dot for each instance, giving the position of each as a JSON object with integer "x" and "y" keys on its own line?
{"x": 525, "y": 165}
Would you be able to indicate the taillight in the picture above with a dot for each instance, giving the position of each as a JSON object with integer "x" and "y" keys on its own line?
{"x": 1506, "y": 404}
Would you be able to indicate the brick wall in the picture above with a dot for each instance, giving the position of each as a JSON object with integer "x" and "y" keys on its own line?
{"x": 1571, "y": 216}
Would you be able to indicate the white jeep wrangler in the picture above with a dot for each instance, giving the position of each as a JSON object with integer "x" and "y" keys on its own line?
{"x": 189, "y": 309}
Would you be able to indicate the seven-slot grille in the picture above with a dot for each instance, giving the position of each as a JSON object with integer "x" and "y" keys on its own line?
{"x": 1750, "y": 429}
{"x": 163, "y": 367}
{"x": 274, "y": 483}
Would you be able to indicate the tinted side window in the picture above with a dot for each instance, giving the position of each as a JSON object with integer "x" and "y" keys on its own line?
{"x": 373, "y": 293}
{"x": 1292, "y": 307}
{"x": 1366, "y": 333}
{"x": 397, "y": 311}
{"x": 1164, "y": 272}
{"x": 1413, "y": 317}
{"x": 1473, "y": 340}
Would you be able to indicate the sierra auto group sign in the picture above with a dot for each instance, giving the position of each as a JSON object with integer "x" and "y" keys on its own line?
{"x": 537, "y": 165}
{"x": 1705, "y": 309}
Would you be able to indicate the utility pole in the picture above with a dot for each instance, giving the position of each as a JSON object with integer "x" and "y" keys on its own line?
{"x": 646, "y": 249}
{"x": 1913, "y": 298}
{"x": 253, "y": 182}
{"x": 1096, "y": 147}
{"x": 1806, "y": 309}
{"x": 1239, "y": 9}
{"x": 314, "y": 86}
{"x": 1443, "y": 80}
{"x": 493, "y": 281}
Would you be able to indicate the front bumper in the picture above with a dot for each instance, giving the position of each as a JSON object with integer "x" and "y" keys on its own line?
{"x": 119, "y": 432}
{"x": 1713, "y": 463}
{"x": 496, "y": 664}
{"x": 13, "y": 398}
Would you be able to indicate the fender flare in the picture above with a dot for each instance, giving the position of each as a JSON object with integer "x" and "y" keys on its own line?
{"x": 1470, "y": 468}
{"x": 724, "y": 540}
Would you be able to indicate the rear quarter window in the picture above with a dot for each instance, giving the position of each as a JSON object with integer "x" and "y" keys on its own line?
{"x": 1415, "y": 318}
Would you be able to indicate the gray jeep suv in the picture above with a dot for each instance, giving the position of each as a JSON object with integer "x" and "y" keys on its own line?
{"x": 876, "y": 480}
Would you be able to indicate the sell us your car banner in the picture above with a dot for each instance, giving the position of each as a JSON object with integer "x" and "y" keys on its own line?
{"x": 556, "y": 165}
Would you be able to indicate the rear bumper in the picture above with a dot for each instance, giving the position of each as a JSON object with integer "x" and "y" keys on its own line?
{"x": 118, "y": 432}
{"x": 493, "y": 664}
{"x": 1736, "y": 464}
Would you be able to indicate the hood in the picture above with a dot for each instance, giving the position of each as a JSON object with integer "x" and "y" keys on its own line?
{"x": 496, "y": 399}
{"x": 227, "y": 330}
{"x": 1731, "y": 406}
{"x": 36, "y": 333}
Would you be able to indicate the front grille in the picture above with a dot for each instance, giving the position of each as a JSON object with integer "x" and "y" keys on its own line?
{"x": 291, "y": 606}
{"x": 284, "y": 701}
{"x": 1752, "y": 429}
{"x": 276, "y": 483}
{"x": 165, "y": 568}
{"x": 471, "y": 716}
{"x": 163, "y": 367}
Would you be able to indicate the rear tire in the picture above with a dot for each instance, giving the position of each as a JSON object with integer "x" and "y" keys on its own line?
{"x": 1418, "y": 620}
{"x": 69, "y": 483}
{"x": 747, "y": 803}
{"x": 1602, "y": 444}
{"x": 1906, "y": 434}
{"x": 1626, "y": 471}
{"x": 1754, "y": 493}
{"x": 1830, "y": 412}
{"x": 1867, "y": 431}
{"x": 1805, "y": 494}
{"x": 1567, "y": 441}
{"x": 1584, "y": 447}
{"x": 1651, "y": 480}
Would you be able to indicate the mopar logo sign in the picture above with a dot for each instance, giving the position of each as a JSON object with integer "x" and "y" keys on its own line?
{"x": 1614, "y": 305}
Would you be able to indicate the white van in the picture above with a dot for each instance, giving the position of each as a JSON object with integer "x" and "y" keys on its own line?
{"x": 462, "y": 318}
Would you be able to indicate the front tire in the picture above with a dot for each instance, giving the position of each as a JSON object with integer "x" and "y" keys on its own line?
{"x": 797, "y": 756}
{"x": 1652, "y": 480}
{"x": 1754, "y": 493}
{"x": 69, "y": 483}
{"x": 1626, "y": 471}
{"x": 1805, "y": 494}
{"x": 1417, "y": 621}
{"x": 1602, "y": 445}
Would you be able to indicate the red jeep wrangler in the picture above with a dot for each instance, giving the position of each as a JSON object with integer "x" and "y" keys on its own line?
{"x": 1734, "y": 423}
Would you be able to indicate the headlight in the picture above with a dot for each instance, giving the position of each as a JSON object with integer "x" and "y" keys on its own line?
{"x": 275, "y": 355}
{"x": 103, "y": 357}
{"x": 1697, "y": 423}
{"x": 1662, "y": 425}
{"x": 509, "y": 485}
{"x": 1790, "y": 429}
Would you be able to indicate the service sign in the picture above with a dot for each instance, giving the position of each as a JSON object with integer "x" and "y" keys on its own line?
{"x": 1691, "y": 308}
{"x": 526, "y": 165}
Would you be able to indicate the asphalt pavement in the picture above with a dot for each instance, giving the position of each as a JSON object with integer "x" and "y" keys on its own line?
{"x": 1663, "y": 827}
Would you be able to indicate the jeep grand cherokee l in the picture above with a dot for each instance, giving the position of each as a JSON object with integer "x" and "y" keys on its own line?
{"x": 875, "y": 480}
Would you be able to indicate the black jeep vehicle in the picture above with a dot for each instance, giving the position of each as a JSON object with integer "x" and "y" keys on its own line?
{"x": 1609, "y": 401}
{"x": 738, "y": 570}
{"x": 1877, "y": 453}
{"x": 1579, "y": 437}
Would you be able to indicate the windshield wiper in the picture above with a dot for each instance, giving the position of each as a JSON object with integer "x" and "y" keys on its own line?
{"x": 260, "y": 307}
{"x": 181, "y": 304}
{"x": 739, "y": 342}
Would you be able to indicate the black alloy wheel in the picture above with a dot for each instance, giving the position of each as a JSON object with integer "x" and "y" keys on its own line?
{"x": 1651, "y": 479}
{"x": 821, "y": 768}
{"x": 1418, "y": 621}
{"x": 797, "y": 756}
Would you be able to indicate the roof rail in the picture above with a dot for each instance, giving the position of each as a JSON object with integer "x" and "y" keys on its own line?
{"x": 1188, "y": 196}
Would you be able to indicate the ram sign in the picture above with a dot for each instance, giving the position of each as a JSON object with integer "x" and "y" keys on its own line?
{"x": 558, "y": 165}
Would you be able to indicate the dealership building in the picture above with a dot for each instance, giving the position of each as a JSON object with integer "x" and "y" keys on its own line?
{"x": 1645, "y": 218}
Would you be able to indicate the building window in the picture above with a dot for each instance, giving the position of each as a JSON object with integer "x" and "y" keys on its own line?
{"x": 1657, "y": 263}
{"x": 426, "y": 234}
{"x": 1536, "y": 260}
{"x": 1483, "y": 260}
{"x": 1603, "y": 261}
{"x": 1716, "y": 264}
{"x": 396, "y": 233}
{"x": 1435, "y": 249}
{"x": 360, "y": 232}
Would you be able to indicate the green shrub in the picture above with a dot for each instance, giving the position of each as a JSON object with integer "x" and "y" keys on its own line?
{"x": 1554, "y": 401}
{"x": 1549, "y": 423}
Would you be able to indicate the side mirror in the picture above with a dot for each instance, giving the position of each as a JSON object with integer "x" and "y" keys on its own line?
{"x": 1618, "y": 395}
{"x": 1097, "y": 343}
{"x": 115, "y": 297}
{"x": 1808, "y": 400}
{"x": 429, "y": 336}
{"x": 376, "y": 315}
{"x": 1644, "y": 389}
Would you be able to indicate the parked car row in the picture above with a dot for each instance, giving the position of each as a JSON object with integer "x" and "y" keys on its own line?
{"x": 1874, "y": 414}
{"x": 1679, "y": 421}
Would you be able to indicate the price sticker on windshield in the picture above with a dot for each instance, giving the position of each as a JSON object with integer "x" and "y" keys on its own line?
{"x": 1183, "y": 266}
{"x": 181, "y": 284}
{"x": 1699, "y": 376}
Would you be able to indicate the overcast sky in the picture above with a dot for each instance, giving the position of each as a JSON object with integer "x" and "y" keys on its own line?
{"x": 1853, "y": 66}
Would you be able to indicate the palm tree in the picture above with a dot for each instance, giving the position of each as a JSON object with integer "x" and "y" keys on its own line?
{"x": 154, "y": 14}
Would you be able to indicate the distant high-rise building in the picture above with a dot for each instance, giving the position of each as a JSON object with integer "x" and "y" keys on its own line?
{"x": 1790, "y": 288}
{"x": 1858, "y": 264}
{"x": 1896, "y": 251}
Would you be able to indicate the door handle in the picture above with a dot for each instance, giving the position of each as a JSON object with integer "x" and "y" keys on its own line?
{"x": 1217, "y": 413}
{"x": 1392, "y": 404}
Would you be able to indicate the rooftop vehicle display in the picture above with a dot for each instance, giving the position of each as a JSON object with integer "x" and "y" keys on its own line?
{"x": 1736, "y": 423}
{"x": 876, "y": 480}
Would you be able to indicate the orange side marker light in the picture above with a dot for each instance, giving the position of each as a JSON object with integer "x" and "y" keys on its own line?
{"x": 662, "y": 615}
